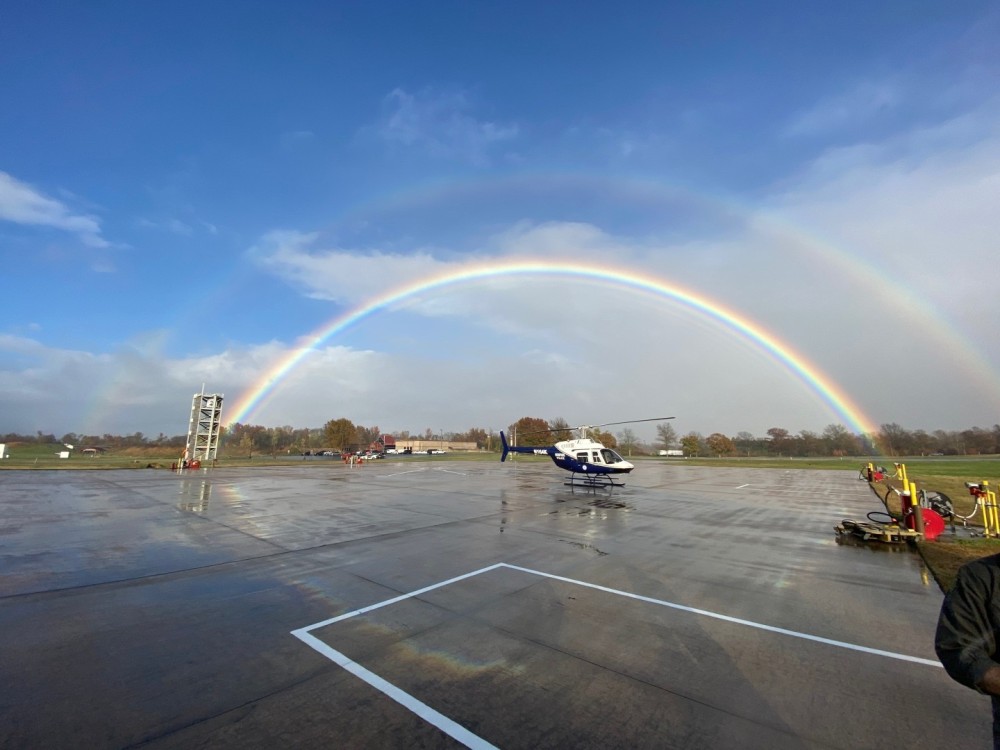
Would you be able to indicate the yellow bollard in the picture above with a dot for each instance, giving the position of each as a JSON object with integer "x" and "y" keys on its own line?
{"x": 918, "y": 514}
{"x": 991, "y": 515}
{"x": 901, "y": 471}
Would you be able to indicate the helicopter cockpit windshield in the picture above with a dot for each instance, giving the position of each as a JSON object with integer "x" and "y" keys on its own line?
{"x": 610, "y": 457}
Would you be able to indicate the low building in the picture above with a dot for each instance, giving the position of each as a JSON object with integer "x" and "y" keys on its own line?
{"x": 383, "y": 444}
{"x": 422, "y": 446}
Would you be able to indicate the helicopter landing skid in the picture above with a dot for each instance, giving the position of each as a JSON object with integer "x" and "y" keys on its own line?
{"x": 592, "y": 481}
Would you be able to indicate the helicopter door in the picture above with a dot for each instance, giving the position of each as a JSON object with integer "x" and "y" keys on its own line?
{"x": 597, "y": 457}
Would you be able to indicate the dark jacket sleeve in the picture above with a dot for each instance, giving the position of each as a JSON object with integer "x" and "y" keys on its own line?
{"x": 965, "y": 641}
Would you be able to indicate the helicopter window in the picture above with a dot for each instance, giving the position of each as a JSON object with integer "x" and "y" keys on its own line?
{"x": 610, "y": 457}
{"x": 597, "y": 457}
{"x": 582, "y": 456}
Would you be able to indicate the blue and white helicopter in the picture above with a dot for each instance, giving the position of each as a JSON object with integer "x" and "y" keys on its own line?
{"x": 589, "y": 462}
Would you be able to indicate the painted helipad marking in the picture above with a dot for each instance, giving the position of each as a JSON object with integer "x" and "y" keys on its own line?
{"x": 463, "y": 735}
{"x": 737, "y": 620}
{"x": 421, "y": 709}
{"x": 400, "y": 473}
{"x": 742, "y": 486}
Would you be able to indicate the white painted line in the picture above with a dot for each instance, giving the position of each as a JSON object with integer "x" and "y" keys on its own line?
{"x": 463, "y": 735}
{"x": 425, "y": 712}
{"x": 447, "y": 471}
{"x": 400, "y": 598}
{"x": 742, "y": 486}
{"x": 400, "y": 473}
{"x": 736, "y": 620}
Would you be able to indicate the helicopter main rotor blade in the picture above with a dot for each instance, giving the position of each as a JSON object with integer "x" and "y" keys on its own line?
{"x": 630, "y": 421}
{"x": 594, "y": 426}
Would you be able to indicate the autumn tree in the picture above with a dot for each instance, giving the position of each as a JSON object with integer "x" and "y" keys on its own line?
{"x": 476, "y": 435}
{"x": 531, "y": 431}
{"x": 561, "y": 430}
{"x": 692, "y": 444}
{"x": 339, "y": 434}
{"x": 719, "y": 444}
{"x": 248, "y": 437}
{"x": 607, "y": 439}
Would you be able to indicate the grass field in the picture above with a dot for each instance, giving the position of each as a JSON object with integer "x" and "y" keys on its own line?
{"x": 34, "y": 456}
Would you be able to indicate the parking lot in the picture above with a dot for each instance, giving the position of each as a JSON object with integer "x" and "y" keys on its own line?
{"x": 463, "y": 603}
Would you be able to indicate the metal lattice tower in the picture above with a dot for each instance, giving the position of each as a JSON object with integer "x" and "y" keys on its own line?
{"x": 204, "y": 428}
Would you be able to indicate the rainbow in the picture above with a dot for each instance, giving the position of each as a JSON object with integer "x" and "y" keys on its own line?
{"x": 839, "y": 402}
{"x": 660, "y": 194}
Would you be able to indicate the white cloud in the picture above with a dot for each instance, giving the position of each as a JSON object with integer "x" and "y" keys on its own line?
{"x": 439, "y": 123}
{"x": 23, "y": 204}
{"x": 336, "y": 274}
{"x": 857, "y": 106}
{"x": 872, "y": 263}
{"x": 917, "y": 211}
{"x": 139, "y": 389}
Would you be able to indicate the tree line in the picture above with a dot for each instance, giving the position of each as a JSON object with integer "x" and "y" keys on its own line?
{"x": 342, "y": 434}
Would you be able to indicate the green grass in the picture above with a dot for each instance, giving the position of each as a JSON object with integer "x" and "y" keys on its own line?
{"x": 842, "y": 464}
{"x": 945, "y": 558}
{"x": 34, "y": 456}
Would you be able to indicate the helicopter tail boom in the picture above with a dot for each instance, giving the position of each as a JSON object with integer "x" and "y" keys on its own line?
{"x": 508, "y": 448}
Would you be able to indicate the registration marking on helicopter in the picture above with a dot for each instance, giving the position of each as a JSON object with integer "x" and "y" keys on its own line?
{"x": 463, "y": 735}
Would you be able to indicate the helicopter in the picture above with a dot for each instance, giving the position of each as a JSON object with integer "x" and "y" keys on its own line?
{"x": 589, "y": 462}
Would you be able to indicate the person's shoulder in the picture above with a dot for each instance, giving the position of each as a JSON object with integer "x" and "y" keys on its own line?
{"x": 984, "y": 566}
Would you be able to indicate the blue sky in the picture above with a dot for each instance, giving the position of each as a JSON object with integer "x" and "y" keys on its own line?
{"x": 186, "y": 189}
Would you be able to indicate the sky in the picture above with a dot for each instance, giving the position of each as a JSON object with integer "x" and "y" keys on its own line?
{"x": 744, "y": 215}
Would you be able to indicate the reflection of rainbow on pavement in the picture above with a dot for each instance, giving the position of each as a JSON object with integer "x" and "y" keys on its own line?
{"x": 467, "y": 738}
{"x": 838, "y": 402}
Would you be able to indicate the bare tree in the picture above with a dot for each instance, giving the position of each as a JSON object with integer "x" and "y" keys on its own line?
{"x": 666, "y": 435}
{"x": 627, "y": 440}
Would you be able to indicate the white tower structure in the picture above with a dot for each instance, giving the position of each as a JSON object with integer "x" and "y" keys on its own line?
{"x": 205, "y": 426}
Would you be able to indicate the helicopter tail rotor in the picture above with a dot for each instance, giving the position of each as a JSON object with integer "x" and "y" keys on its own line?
{"x": 506, "y": 448}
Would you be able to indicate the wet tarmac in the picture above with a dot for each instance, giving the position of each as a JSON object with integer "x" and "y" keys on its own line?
{"x": 442, "y": 604}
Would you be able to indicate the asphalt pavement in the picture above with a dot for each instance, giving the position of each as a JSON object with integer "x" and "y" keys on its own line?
{"x": 441, "y": 604}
